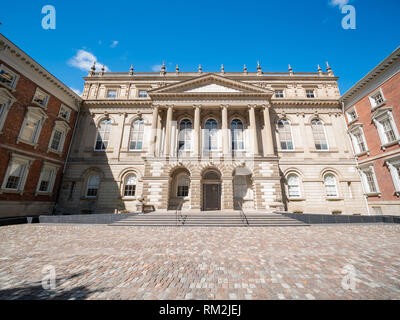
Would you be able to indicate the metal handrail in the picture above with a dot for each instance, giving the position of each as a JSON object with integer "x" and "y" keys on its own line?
{"x": 178, "y": 214}
{"x": 243, "y": 216}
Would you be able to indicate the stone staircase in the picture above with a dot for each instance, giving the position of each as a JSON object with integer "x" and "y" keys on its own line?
{"x": 210, "y": 220}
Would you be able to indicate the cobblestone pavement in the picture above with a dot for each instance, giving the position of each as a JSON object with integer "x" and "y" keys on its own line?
{"x": 103, "y": 262}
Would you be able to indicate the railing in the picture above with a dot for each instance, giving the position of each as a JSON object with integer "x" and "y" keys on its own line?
{"x": 243, "y": 216}
{"x": 179, "y": 219}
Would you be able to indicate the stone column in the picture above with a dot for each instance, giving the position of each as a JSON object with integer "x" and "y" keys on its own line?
{"x": 267, "y": 131}
{"x": 153, "y": 140}
{"x": 225, "y": 137}
{"x": 253, "y": 129}
{"x": 168, "y": 132}
{"x": 196, "y": 133}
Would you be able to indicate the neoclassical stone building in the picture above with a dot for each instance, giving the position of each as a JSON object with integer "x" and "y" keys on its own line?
{"x": 211, "y": 141}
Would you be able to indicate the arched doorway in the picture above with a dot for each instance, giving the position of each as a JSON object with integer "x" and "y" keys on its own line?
{"x": 211, "y": 190}
{"x": 243, "y": 193}
{"x": 179, "y": 189}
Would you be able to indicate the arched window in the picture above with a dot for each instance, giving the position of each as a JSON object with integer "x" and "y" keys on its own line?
{"x": 103, "y": 135}
{"x": 93, "y": 186}
{"x": 293, "y": 182}
{"x": 319, "y": 135}
{"x": 136, "y": 138}
{"x": 211, "y": 139}
{"x": 183, "y": 186}
{"x": 130, "y": 185}
{"x": 330, "y": 185}
{"x": 237, "y": 135}
{"x": 285, "y": 134}
{"x": 185, "y": 135}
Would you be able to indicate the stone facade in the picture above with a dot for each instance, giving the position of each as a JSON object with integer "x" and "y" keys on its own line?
{"x": 211, "y": 141}
{"x": 372, "y": 109}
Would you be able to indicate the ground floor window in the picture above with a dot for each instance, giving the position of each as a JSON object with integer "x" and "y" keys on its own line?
{"x": 130, "y": 186}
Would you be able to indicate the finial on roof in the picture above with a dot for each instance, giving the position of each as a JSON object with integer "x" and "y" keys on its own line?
{"x": 163, "y": 68}
{"x": 319, "y": 70}
{"x": 102, "y": 70}
{"x": 222, "y": 68}
{"x": 329, "y": 69}
{"x": 290, "y": 70}
{"x": 177, "y": 69}
{"x": 199, "y": 68}
{"x": 131, "y": 70}
{"x": 259, "y": 70}
{"x": 244, "y": 69}
{"x": 92, "y": 69}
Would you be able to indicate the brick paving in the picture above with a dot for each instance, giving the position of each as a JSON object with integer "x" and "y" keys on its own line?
{"x": 102, "y": 262}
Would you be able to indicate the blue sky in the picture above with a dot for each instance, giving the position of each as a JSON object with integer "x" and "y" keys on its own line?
{"x": 119, "y": 33}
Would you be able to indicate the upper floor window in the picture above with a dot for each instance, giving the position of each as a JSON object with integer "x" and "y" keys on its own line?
{"x": 93, "y": 186}
{"x": 310, "y": 93}
{"x": 357, "y": 136}
{"x": 130, "y": 185}
{"x": 16, "y": 173}
{"x": 211, "y": 132}
{"x": 237, "y": 134}
{"x": 103, "y": 135}
{"x": 183, "y": 186}
{"x": 386, "y": 126}
{"x": 279, "y": 94}
{"x": 352, "y": 115}
{"x": 32, "y": 125}
{"x": 293, "y": 182}
{"x": 111, "y": 93}
{"x": 285, "y": 134}
{"x": 319, "y": 135}
{"x": 58, "y": 136}
{"x": 377, "y": 99}
{"x": 185, "y": 135}
{"x": 330, "y": 185}
{"x": 142, "y": 94}
{"x": 369, "y": 180}
{"x": 41, "y": 98}
{"x": 6, "y": 100}
{"x": 47, "y": 178}
{"x": 136, "y": 138}
{"x": 7, "y": 77}
{"x": 394, "y": 168}
{"x": 64, "y": 112}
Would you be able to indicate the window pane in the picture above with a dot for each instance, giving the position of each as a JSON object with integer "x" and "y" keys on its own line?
{"x": 319, "y": 135}
{"x": 30, "y": 129}
{"x": 137, "y": 132}
{"x": 103, "y": 135}
{"x": 237, "y": 135}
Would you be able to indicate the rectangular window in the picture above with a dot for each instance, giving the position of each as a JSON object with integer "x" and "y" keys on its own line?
{"x": 377, "y": 99}
{"x": 65, "y": 112}
{"x": 30, "y": 129}
{"x": 310, "y": 94}
{"x": 142, "y": 94}
{"x": 56, "y": 142}
{"x": 279, "y": 94}
{"x": 15, "y": 176}
{"x": 41, "y": 98}
{"x": 183, "y": 191}
{"x": 130, "y": 190}
{"x": 388, "y": 130}
{"x": 111, "y": 94}
{"x": 352, "y": 115}
{"x": 7, "y": 77}
{"x": 371, "y": 181}
{"x": 360, "y": 142}
{"x": 46, "y": 180}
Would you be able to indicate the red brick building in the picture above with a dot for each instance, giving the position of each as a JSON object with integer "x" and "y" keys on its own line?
{"x": 37, "y": 118}
{"x": 372, "y": 109}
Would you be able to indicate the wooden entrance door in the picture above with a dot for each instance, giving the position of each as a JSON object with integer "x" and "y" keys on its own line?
{"x": 212, "y": 197}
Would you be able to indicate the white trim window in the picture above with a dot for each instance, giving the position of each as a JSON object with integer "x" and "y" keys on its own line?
{"x": 6, "y": 100}
{"x": 293, "y": 182}
{"x": 211, "y": 135}
{"x": 185, "y": 135}
{"x": 351, "y": 114}
{"x": 331, "y": 186}
{"x": 47, "y": 178}
{"x": 183, "y": 186}
{"x": 16, "y": 174}
{"x": 103, "y": 135}
{"x": 310, "y": 93}
{"x": 369, "y": 181}
{"x": 111, "y": 93}
{"x": 92, "y": 187}
{"x": 142, "y": 94}
{"x": 386, "y": 127}
{"x": 394, "y": 168}
{"x": 377, "y": 99}
{"x": 358, "y": 139}
{"x": 137, "y": 132}
{"x": 285, "y": 134}
{"x": 279, "y": 94}
{"x": 237, "y": 132}
{"x": 130, "y": 186}
{"x": 41, "y": 98}
{"x": 64, "y": 112}
{"x": 58, "y": 136}
{"x": 32, "y": 126}
{"x": 319, "y": 135}
{"x": 8, "y": 78}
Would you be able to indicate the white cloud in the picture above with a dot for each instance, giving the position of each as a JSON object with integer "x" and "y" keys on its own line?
{"x": 77, "y": 91}
{"x": 114, "y": 44}
{"x": 340, "y": 3}
{"x": 84, "y": 60}
{"x": 156, "y": 67}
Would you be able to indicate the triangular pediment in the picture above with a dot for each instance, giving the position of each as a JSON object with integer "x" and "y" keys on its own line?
{"x": 210, "y": 84}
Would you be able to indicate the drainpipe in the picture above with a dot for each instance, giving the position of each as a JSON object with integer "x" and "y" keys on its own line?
{"x": 66, "y": 160}
{"x": 356, "y": 159}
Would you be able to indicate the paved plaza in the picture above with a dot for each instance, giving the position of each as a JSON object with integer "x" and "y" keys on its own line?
{"x": 107, "y": 262}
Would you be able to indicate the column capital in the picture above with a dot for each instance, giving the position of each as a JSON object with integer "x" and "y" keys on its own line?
{"x": 267, "y": 105}
{"x": 252, "y": 106}
{"x": 223, "y": 106}
{"x": 195, "y": 106}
